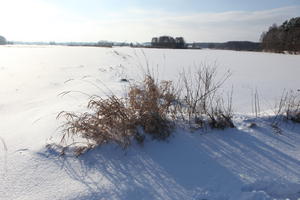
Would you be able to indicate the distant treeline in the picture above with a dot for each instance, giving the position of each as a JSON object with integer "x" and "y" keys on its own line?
{"x": 2, "y": 40}
{"x": 231, "y": 45}
{"x": 87, "y": 44}
{"x": 168, "y": 42}
{"x": 285, "y": 37}
{"x": 179, "y": 43}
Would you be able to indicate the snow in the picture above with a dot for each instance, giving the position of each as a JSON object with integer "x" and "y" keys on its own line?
{"x": 242, "y": 163}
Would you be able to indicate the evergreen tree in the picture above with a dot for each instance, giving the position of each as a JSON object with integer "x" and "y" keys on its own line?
{"x": 283, "y": 38}
{"x": 2, "y": 40}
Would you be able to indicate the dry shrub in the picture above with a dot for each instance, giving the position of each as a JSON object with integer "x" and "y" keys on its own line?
{"x": 287, "y": 108}
{"x": 119, "y": 120}
{"x": 202, "y": 102}
{"x": 221, "y": 114}
{"x": 292, "y": 108}
{"x": 150, "y": 107}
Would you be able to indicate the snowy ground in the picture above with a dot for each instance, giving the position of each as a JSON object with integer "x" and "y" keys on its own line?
{"x": 243, "y": 163}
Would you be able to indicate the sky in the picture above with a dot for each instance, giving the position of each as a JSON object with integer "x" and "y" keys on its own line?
{"x": 140, "y": 20}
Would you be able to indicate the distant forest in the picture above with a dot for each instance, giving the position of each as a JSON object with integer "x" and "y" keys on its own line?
{"x": 179, "y": 43}
{"x": 168, "y": 42}
{"x": 231, "y": 45}
{"x": 2, "y": 40}
{"x": 285, "y": 37}
{"x": 279, "y": 39}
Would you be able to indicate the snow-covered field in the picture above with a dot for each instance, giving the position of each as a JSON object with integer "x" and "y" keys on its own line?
{"x": 242, "y": 163}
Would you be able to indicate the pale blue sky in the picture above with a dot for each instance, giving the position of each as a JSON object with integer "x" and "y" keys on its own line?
{"x": 139, "y": 20}
{"x": 179, "y": 6}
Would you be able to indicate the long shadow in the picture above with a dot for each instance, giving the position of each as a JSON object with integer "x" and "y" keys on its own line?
{"x": 159, "y": 170}
{"x": 189, "y": 166}
{"x": 260, "y": 155}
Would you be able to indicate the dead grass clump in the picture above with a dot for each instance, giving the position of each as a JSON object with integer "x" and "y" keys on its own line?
{"x": 119, "y": 120}
{"x": 108, "y": 121}
{"x": 151, "y": 103}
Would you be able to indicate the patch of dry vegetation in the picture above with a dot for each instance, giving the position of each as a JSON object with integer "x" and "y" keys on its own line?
{"x": 288, "y": 108}
{"x": 119, "y": 120}
{"x": 203, "y": 104}
{"x": 150, "y": 108}
{"x": 292, "y": 109}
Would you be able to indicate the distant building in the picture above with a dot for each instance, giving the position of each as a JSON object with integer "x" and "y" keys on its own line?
{"x": 168, "y": 42}
{"x": 2, "y": 40}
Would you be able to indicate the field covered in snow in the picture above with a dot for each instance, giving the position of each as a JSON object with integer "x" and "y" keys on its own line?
{"x": 241, "y": 163}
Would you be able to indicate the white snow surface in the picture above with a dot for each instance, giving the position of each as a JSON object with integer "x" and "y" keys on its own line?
{"x": 240, "y": 163}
